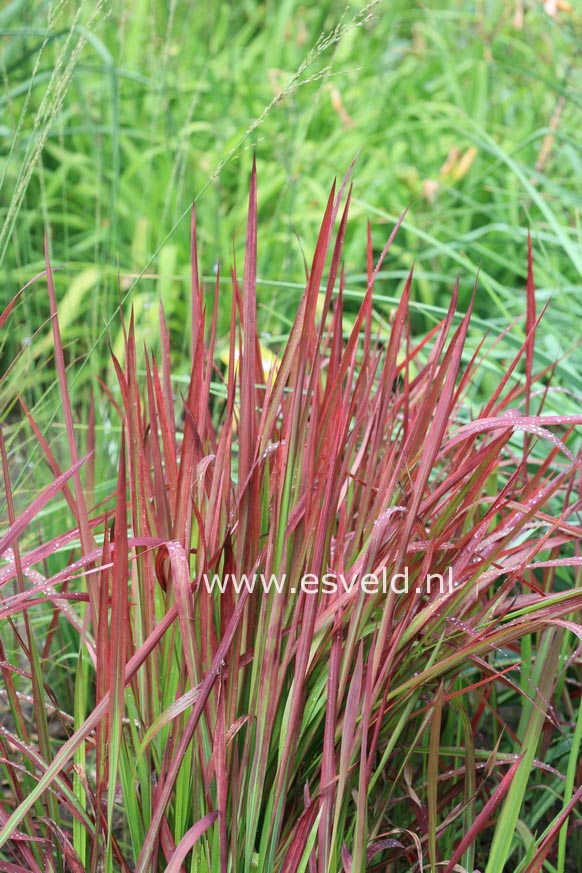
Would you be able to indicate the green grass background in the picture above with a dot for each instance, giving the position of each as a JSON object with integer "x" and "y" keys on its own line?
{"x": 116, "y": 116}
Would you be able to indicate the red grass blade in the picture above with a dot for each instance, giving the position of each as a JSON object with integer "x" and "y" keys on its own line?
{"x": 484, "y": 816}
{"x": 188, "y": 840}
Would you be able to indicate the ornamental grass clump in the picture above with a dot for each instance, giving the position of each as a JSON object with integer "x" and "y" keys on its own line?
{"x": 327, "y": 623}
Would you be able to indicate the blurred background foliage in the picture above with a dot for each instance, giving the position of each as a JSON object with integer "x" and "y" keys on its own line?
{"x": 116, "y": 116}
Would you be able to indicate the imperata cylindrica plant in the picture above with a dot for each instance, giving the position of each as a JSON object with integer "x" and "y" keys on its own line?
{"x": 155, "y": 722}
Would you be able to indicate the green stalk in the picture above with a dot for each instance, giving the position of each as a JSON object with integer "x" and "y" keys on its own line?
{"x": 543, "y": 677}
